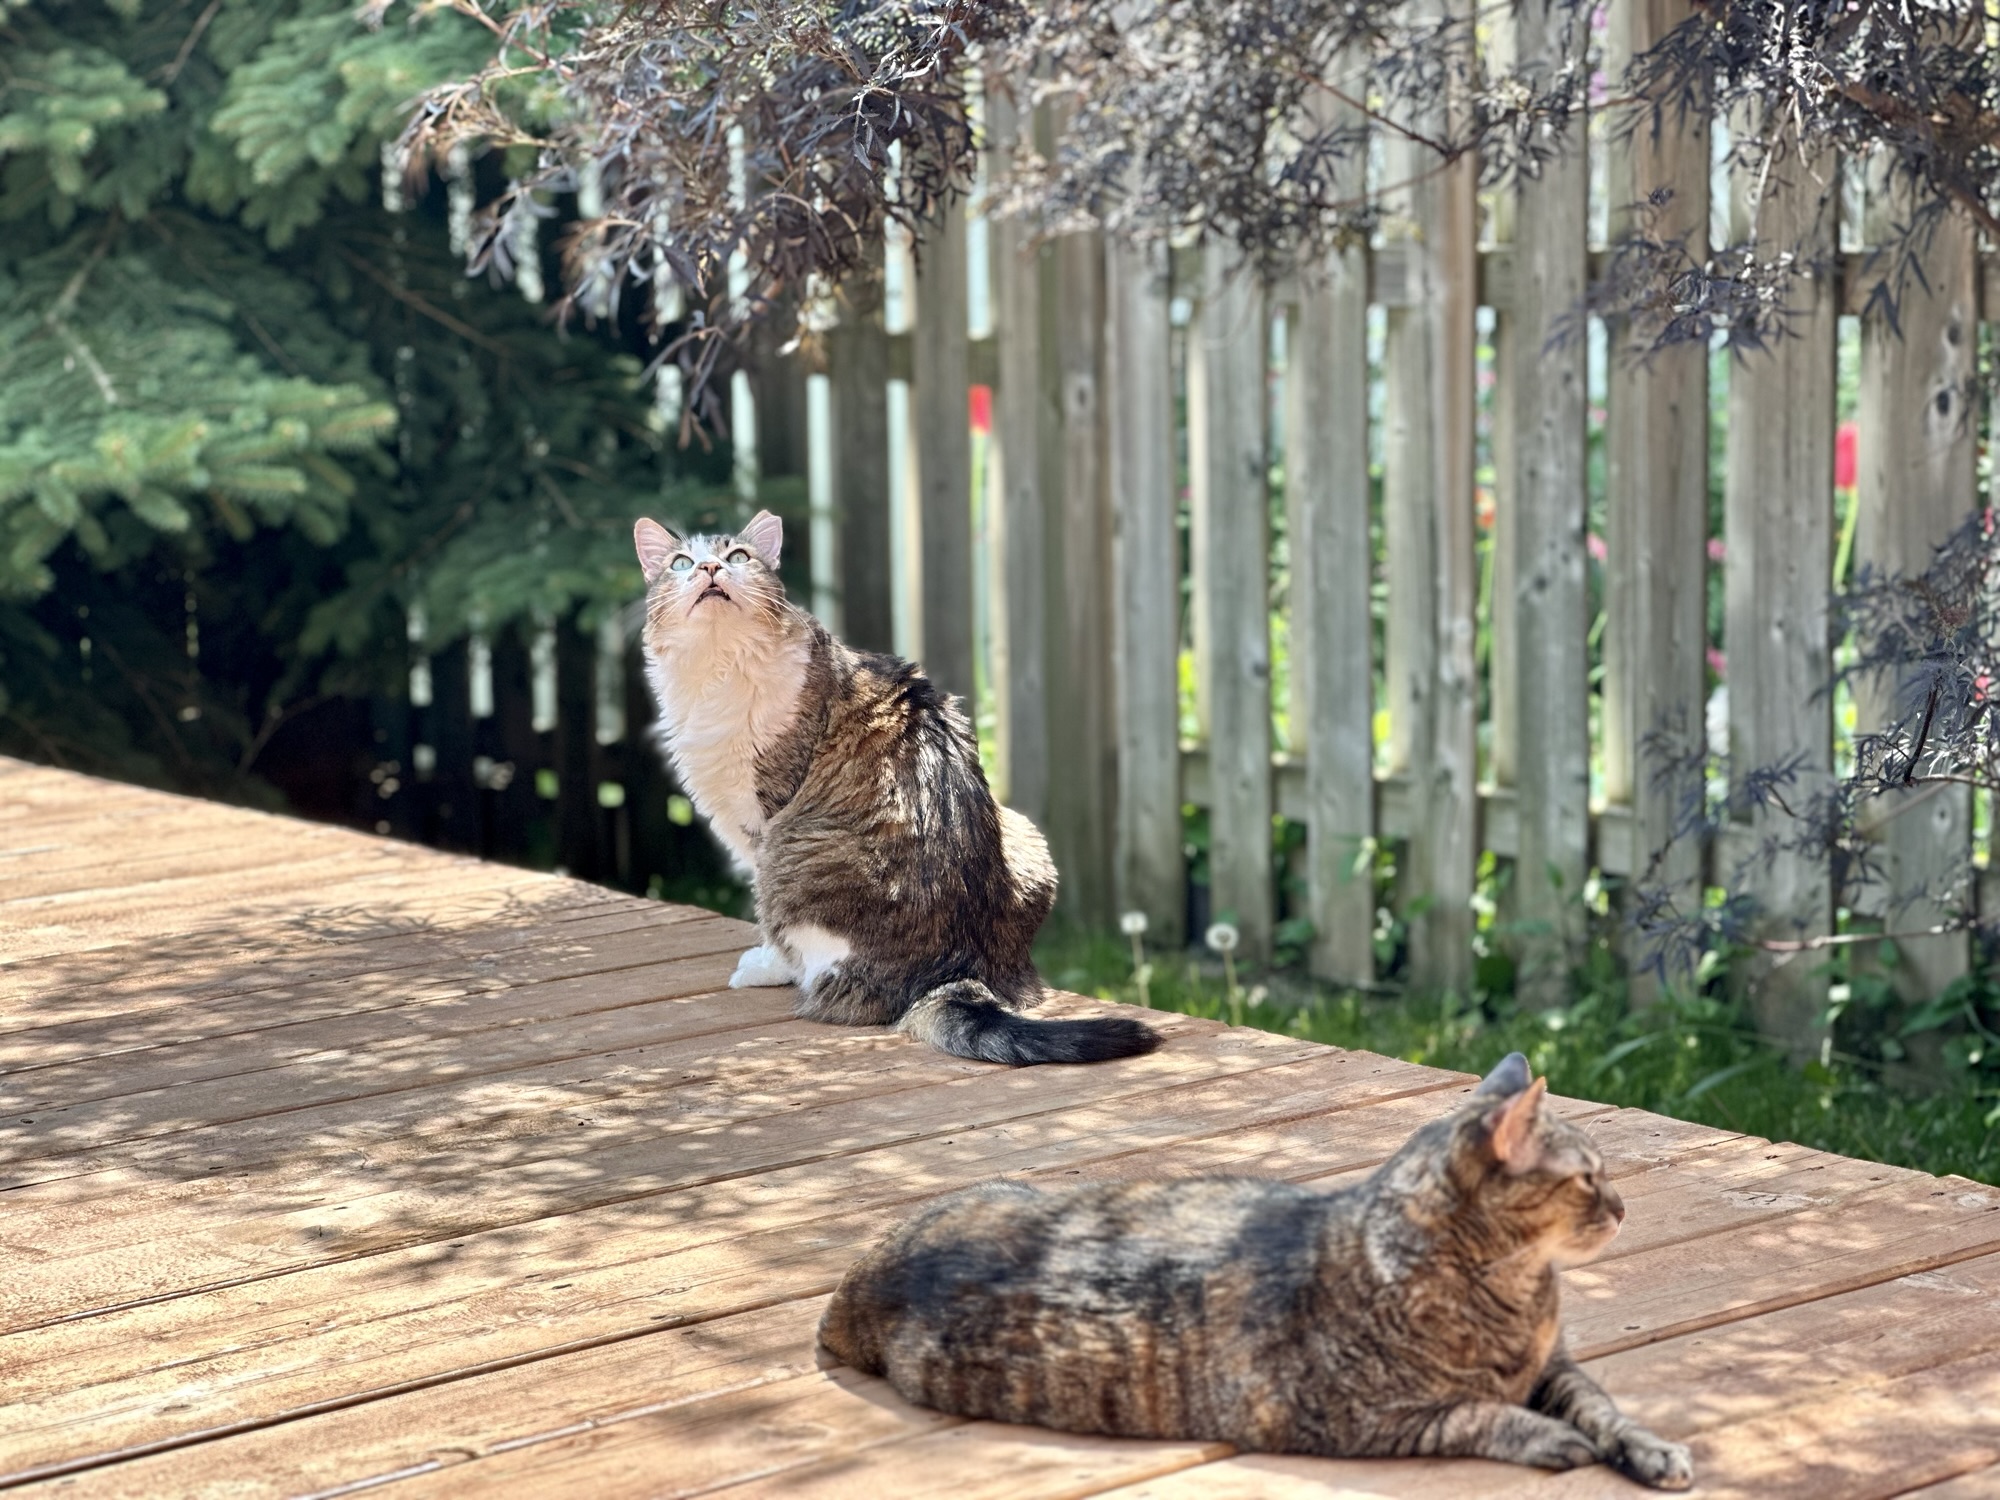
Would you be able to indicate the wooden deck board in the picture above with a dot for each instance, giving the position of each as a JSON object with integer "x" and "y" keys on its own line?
{"x": 329, "y": 1162}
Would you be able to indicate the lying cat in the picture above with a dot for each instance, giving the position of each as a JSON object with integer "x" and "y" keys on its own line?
{"x": 1415, "y": 1313}
{"x": 891, "y": 888}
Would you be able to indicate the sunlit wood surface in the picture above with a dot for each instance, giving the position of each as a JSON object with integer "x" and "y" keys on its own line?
{"x": 334, "y": 1164}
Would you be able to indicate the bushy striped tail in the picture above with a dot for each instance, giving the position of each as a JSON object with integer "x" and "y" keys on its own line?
{"x": 964, "y": 1019}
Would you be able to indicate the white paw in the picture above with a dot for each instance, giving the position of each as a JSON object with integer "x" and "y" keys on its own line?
{"x": 759, "y": 968}
{"x": 1653, "y": 1460}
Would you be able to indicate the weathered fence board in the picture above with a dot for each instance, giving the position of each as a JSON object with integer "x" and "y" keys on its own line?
{"x": 1551, "y": 499}
{"x": 1428, "y": 521}
{"x": 1779, "y": 568}
{"x": 1020, "y": 640}
{"x": 938, "y": 385}
{"x": 1333, "y": 690}
{"x": 1500, "y": 48}
{"x": 1145, "y": 582}
{"x": 1228, "y": 467}
{"x": 1657, "y": 510}
{"x": 859, "y": 411}
{"x": 1914, "y": 486}
{"x": 1082, "y": 792}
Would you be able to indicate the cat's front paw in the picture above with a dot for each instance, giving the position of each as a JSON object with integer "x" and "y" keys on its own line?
{"x": 1651, "y": 1460}
{"x": 759, "y": 968}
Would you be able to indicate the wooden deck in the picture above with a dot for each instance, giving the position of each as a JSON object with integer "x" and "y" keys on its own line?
{"x": 334, "y": 1164}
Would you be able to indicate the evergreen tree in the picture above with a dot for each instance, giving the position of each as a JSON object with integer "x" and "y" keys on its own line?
{"x": 252, "y": 413}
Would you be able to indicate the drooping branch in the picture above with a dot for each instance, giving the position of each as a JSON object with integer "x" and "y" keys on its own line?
{"x": 742, "y": 157}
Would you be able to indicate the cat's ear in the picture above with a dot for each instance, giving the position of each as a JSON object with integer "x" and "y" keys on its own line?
{"x": 655, "y": 543}
{"x": 766, "y": 535}
{"x": 1510, "y": 1128}
{"x": 1509, "y": 1076}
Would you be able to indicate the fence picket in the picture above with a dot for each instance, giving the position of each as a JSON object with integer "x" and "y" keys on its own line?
{"x": 1332, "y": 657}
{"x": 1433, "y": 588}
{"x": 1139, "y": 409}
{"x": 1551, "y": 503}
{"x": 1019, "y": 653}
{"x": 1915, "y": 485}
{"x": 1657, "y": 462}
{"x": 1500, "y": 48}
{"x": 1228, "y": 462}
{"x": 1083, "y": 798}
{"x": 1779, "y": 535}
{"x": 944, "y": 454}
{"x": 858, "y": 411}
{"x": 576, "y": 745}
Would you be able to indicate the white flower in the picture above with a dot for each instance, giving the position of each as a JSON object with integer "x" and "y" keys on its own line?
{"x": 1132, "y": 924}
{"x": 1222, "y": 937}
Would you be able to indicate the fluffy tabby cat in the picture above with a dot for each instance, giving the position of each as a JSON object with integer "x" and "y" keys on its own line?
{"x": 1415, "y": 1313}
{"x": 891, "y": 888}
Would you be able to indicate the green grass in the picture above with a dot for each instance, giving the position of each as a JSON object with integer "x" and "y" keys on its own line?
{"x": 1693, "y": 1058}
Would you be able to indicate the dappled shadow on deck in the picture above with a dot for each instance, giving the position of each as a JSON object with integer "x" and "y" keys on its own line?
{"x": 360, "y": 1149}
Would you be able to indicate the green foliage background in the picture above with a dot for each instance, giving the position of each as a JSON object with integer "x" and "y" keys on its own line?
{"x": 248, "y": 417}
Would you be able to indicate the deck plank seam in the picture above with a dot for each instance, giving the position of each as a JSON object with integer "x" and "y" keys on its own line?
{"x": 233, "y": 923}
{"x": 347, "y": 1401}
{"x": 453, "y": 992}
{"x": 223, "y": 1284}
{"x": 597, "y": 912}
{"x": 388, "y": 1093}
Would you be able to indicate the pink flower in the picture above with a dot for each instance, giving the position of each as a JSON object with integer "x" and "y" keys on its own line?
{"x": 1717, "y": 662}
{"x": 1594, "y": 545}
{"x": 1715, "y": 549}
{"x": 1846, "y": 455}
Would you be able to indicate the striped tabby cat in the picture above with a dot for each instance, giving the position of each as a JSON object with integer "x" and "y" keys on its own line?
{"x": 891, "y": 888}
{"x": 1415, "y": 1313}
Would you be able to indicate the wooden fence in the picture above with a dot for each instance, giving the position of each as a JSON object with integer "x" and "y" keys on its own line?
{"x": 1122, "y": 510}
{"x": 1048, "y": 474}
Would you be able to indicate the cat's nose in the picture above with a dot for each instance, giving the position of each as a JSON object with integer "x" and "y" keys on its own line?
{"x": 710, "y": 568}
{"x": 1614, "y": 1204}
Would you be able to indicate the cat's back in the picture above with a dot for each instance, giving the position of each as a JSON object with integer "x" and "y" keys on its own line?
{"x": 886, "y": 705}
{"x": 896, "y": 758}
{"x": 1136, "y": 1308}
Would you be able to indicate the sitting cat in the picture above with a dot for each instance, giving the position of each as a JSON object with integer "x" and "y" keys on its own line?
{"x": 891, "y": 888}
{"x": 1415, "y": 1313}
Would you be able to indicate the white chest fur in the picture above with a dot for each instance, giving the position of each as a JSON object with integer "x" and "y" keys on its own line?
{"x": 721, "y": 702}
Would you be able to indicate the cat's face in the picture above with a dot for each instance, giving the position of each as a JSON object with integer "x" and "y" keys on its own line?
{"x": 699, "y": 588}
{"x": 1530, "y": 1177}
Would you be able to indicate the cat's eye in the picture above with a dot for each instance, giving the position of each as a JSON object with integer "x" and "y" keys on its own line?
{"x": 739, "y": 555}
{"x": 681, "y": 563}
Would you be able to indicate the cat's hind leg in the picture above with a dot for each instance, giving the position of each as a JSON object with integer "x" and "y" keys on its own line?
{"x": 851, "y": 993}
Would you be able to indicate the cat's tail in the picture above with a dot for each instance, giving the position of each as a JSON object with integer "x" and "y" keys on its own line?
{"x": 964, "y": 1019}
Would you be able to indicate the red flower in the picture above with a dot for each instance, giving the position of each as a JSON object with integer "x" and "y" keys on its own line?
{"x": 981, "y": 402}
{"x": 1846, "y": 456}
